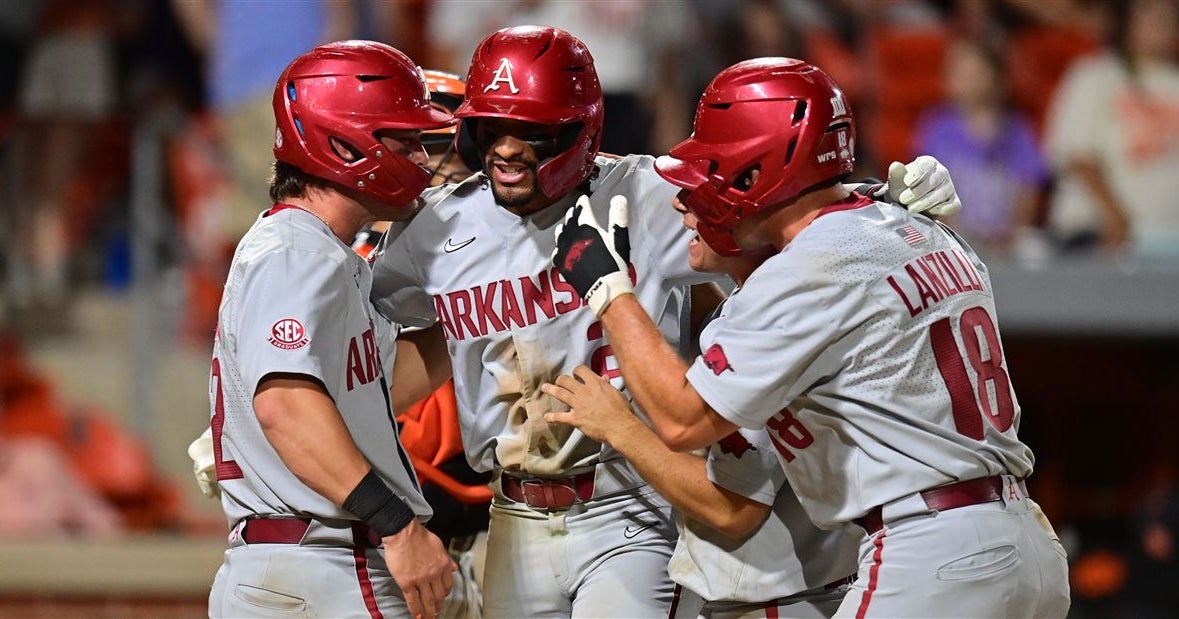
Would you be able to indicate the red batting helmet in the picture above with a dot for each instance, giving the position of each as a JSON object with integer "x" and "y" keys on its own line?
{"x": 348, "y": 91}
{"x": 541, "y": 75}
{"x": 782, "y": 117}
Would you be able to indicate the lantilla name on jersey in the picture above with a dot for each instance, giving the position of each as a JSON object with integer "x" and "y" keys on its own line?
{"x": 501, "y": 305}
{"x": 933, "y": 277}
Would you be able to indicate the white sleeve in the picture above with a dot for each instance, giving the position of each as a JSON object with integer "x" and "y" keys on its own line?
{"x": 293, "y": 316}
{"x": 659, "y": 230}
{"x": 768, "y": 334}
{"x": 386, "y": 335}
{"x": 397, "y": 289}
{"x": 1077, "y": 115}
{"x": 745, "y": 462}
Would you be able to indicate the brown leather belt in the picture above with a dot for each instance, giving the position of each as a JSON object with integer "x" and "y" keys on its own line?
{"x": 942, "y": 498}
{"x": 550, "y": 494}
{"x": 291, "y": 530}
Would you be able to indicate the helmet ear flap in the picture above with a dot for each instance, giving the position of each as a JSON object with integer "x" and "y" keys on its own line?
{"x": 747, "y": 178}
{"x": 778, "y": 127}
{"x": 464, "y": 141}
{"x": 329, "y": 106}
{"x": 346, "y": 152}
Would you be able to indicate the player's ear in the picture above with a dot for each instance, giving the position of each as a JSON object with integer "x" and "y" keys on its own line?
{"x": 345, "y": 151}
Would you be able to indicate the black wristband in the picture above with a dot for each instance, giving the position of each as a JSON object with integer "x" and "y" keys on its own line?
{"x": 373, "y": 502}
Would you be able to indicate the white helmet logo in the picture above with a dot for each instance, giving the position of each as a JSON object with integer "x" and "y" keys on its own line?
{"x": 503, "y": 74}
{"x": 838, "y": 108}
{"x": 278, "y": 138}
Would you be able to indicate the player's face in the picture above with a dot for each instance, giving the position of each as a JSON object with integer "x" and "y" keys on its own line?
{"x": 703, "y": 258}
{"x": 512, "y": 151}
{"x": 1152, "y": 33}
{"x": 700, "y": 255}
{"x": 406, "y": 142}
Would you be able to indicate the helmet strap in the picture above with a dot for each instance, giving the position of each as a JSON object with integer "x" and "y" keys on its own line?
{"x": 447, "y": 155}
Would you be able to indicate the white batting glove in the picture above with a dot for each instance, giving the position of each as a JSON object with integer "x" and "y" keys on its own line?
{"x": 924, "y": 186}
{"x": 593, "y": 259}
{"x": 203, "y": 464}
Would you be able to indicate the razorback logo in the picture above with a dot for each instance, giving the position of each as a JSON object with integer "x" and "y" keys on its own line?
{"x": 735, "y": 444}
{"x": 575, "y": 252}
{"x": 716, "y": 360}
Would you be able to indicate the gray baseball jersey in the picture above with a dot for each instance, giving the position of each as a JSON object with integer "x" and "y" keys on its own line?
{"x": 512, "y": 323}
{"x": 869, "y": 348}
{"x": 296, "y": 301}
{"x": 786, "y": 555}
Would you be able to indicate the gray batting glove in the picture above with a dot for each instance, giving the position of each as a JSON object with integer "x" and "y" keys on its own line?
{"x": 924, "y": 186}
{"x": 203, "y": 464}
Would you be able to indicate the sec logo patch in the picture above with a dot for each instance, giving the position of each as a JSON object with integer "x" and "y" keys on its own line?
{"x": 288, "y": 334}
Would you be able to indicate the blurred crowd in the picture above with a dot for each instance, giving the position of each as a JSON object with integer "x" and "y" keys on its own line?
{"x": 1058, "y": 119}
{"x": 67, "y": 468}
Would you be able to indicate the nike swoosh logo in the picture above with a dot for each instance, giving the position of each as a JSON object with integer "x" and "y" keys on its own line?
{"x": 451, "y": 246}
{"x": 631, "y": 531}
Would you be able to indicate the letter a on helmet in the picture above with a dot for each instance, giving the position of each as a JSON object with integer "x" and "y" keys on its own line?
{"x": 503, "y": 74}
{"x": 541, "y": 75}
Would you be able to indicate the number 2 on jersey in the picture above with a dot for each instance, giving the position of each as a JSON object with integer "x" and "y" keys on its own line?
{"x": 602, "y": 358}
{"x": 226, "y": 468}
{"x": 976, "y": 328}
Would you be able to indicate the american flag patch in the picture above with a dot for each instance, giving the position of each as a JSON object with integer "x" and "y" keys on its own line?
{"x": 911, "y": 235}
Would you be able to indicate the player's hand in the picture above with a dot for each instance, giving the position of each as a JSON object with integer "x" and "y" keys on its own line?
{"x": 593, "y": 259}
{"x": 421, "y": 567}
{"x": 923, "y": 186}
{"x": 203, "y": 464}
{"x": 596, "y": 408}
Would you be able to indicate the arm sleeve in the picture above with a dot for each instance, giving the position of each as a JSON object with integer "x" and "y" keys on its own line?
{"x": 745, "y": 463}
{"x": 769, "y": 334}
{"x": 295, "y": 309}
{"x": 386, "y": 333}
{"x": 659, "y": 230}
{"x": 398, "y": 293}
{"x": 1075, "y": 116}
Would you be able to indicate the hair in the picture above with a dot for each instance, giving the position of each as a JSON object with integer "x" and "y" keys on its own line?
{"x": 1121, "y": 16}
{"x": 991, "y": 54}
{"x": 1119, "y": 30}
{"x": 287, "y": 181}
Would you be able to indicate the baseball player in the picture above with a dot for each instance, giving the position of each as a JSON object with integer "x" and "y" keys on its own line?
{"x": 746, "y": 547}
{"x": 433, "y": 435}
{"x": 575, "y": 530}
{"x": 866, "y": 345}
{"x": 324, "y": 508}
{"x": 446, "y": 93}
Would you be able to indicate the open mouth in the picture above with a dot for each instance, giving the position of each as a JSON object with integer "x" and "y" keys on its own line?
{"x": 695, "y": 241}
{"x": 509, "y": 173}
